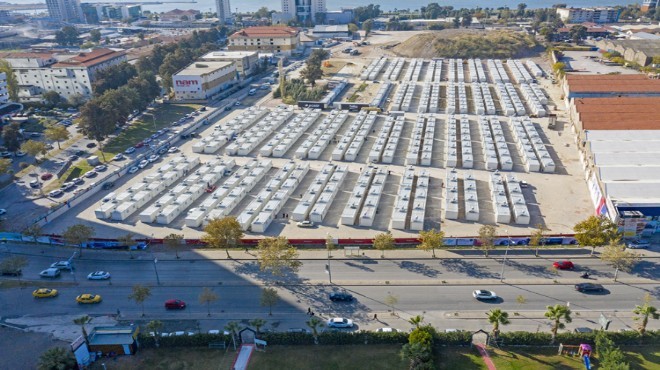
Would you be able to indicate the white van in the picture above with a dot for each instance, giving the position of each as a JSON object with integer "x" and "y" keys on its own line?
{"x": 50, "y": 273}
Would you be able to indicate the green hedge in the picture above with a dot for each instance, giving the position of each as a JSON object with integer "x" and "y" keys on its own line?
{"x": 287, "y": 338}
{"x": 197, "y": 340}
{"x": 459, "y": 338}
{"x": 523, "y": 338}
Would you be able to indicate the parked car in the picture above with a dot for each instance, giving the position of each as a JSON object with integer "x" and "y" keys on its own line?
{"x": 46, "y": 176}
{"x": 44, "y": 293}
{"x": 62, "y": 265}
{"x": 639, "y": 244}
{"x": 108, "y": 185}
{"x": 78, "y": 181}
{"x": 5, "y": 154}
{"x": 589, "y": 287}
{"x": 133, "y": 169}
{"x": 143, "y": 163}
{"x": 55, "y": 193}
{"x": 153, "y": 158}
{"x": 118, "y": 157}
{"x": 341, "y": 297}
{"x": 175, "y": 304}
{"x": 387, "y": 330}
{"x": 67, "y": 186}
{"x": 9, "y": 271}
{"x": 91, "y": 145}
{"x": 99, "y": 275}
{"x": 227, "y": 108}
{"x": 35, "y": 184}
{"x": 90, "y": 174}
{"x": 50, "y": 273}
{"x": 87, "y": 298}
{"x": 100, "y": 168}
{"x": 139, "y": 145}
{"x": 563, "y": 265}
{"x": 20, "y": 154}
{"x": 129, "y": 150}
{"x": 305, "y": 223}
{"x": 3, "y": 211}
{"x": 484, "y": 294}
{"x": 340, "y": 322}
{"x": 173, "y": 149}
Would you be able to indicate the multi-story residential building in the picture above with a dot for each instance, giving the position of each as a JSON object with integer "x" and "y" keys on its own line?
{"x": 202, "y": 80}
{"x": 179, "y": 15}
{"x": 246, "y": 61}
{"x": 595, "y": 15}
{"x": 66, "y": 74}
{"x": 304, "y": 10}
{"x": 224, "y": 11}
{"x": 4, "y": 92}
{"x": 96, "y": 12}
{"x": 276, "y": 40}
{"x": 649, "y": 4}
{"x": 68, "y": 11}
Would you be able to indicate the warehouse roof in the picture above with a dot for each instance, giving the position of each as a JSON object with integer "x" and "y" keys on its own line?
{"x": 632, "y": 147}
{"x": 202, "y": 68}
{"x": 266, "y": 31}
{"x": 621, "y": 173}
{"x": 622, "y": 135}
{"x": 620, "y": 121}
{"x": 636, "y": 160}
{"x": 648, "y": 47}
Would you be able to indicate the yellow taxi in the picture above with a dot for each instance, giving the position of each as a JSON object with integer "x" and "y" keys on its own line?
{"x": 88, "y": 298}
{"x": 44, "y": 293}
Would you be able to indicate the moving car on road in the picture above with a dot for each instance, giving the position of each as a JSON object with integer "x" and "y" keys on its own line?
{"x": 133, "y": 169}
{"x": 62, "y": 265}
{"x": 44, "y": 293}
{"x": 340, "y": 322}
{"x": 129, "y": 150}
{"x": 88, "y": 298}
{"x": 639, "y": 244}
{"x": 175, "y": 304}
{"x": 99, "y": 275}
{"x": 484, "y": 294}
{"x": 589, "y": 287}
{"x": 563, "y": 265}
{"x": 50, "y": 273}
{"x": 341, "y": 297}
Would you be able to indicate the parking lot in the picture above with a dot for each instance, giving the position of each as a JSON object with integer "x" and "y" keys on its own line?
{"x": 556, "y": 200}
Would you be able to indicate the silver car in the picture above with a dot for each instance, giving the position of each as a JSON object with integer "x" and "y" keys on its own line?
{"x": 484, "y": 294}
{"x": 99, "y": 275}
{"x": 340, "y": 322}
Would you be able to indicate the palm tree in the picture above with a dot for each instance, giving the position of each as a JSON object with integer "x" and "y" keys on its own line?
{"x": 644, "y": 312}
{"x": 556, "y": 314}
{"x": 315, "y": 323}
{"x": 232, "y": 327}
{"x": 497, "y": 317}
{"x": 82, "y": 321}
{"x": 416, "y": 321}
{"x": 257, "y": 323}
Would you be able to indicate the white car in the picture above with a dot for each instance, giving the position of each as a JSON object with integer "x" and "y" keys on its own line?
{"x": 62, "y": 265}
{"x": 387, "y": 330}
{"x": 90, "y": 174}
{"x": 153, "y": 158}
{"x": 20, "y": 154}
{"x": 639, "y": 244}
{"x": 100, "y": 168}
{"x": 99, "y": 275}
{"x": 118, "y": 157}
{"x": 55, "y": 193}
{"x": 78, "y": 181}
{"x": 305, "y": 224}
{"x": 143, "y": 164}
{"x": 340, "y": 322}
{"x": 133, "y": 169}
{"x": 129, "y": 150}
{"x": 484, "y": 294}
{"x": 173, "y": 149}
{"x": 3, "y": 211}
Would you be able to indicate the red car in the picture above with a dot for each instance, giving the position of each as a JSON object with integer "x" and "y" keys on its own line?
{"x": 175, "y": 304}
{"x": 46, "y": 176}
{"x": 563, "y": 265}
{"x": 139, "y": 145}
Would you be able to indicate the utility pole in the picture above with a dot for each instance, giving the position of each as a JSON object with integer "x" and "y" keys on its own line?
{"x": 508, "y": 244}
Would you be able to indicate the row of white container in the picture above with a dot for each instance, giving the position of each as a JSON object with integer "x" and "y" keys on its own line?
{"x": 284, "y": 183}
{"x": 318, "y": 198}
{"x": 496, "y": 150}
{"x": 451, "y": 195}
{"x": 317, "y": 141}
{"x": 434, "y": 71}
{"x": 472, "y": 71}
{"x": 290, "y": 133}
{"x": 403, "y": 97}
{"x": 500, "y": 71}
{"x": 394, "y": 69}
{"x": 462, "y": 101}
{"x": 452, "y": 144}
{"x": 430, "y": 98}
{"x": 362, "y": 205}
{"x": 384, "y": 148}
{"x": 350, "y": 144}
{"x": 519, "y": 72}
{"x": 483, "y": 100}
{"x": 410, "y": 204}
{"x": 225, "y": 132}
{"x": 253, "y": 136}
{"x": 420, "y": 149}
{"x": 517, "y": 200}
{"x": 223, "y": 199}
{"x": 547, "y": 164}
{"x": 524, "y": 145}
{"x": 174, "y": 202}
{"x": 534, "y": 68}
{"x": 499, "y": 198}
{"x": 451, "y": 70}
{"x": 481, "y": 74}
{"x": 470, "y": 197}
{"x": 335, "y": 92}
{"x": 381, "y": 96}
{"x": 509, "y": 99}
{"x": 124, "y": 204}
{"x": 533, "y": 102}
{"x": 414, "y": 70}
{"x": 374, "y": 68}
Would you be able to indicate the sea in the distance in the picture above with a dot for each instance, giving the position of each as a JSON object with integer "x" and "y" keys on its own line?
{"x": 253, "y": 5}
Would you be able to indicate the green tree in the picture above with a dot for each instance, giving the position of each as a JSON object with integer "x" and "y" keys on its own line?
{"x": 353, "y": 28}
{"x": 5, "y": 166}
{"x": 78, "y": 234}
{"x": 269, "y": 298}
{"x": 155, "y": 326}
{"x": 645, "y": 312}
{"x": 431, "y": 240}
{"x": 596, "y": 231}
{"x": 537, "y": 238}
{"x": 139, "y": 295}
{"x": 315, "y": 323}
{"x": 223, "y": 233}
{"x": 262, "y": 12}
{"x": 419, "y": 349}
{"x": 616, "y": 255}
{"x": 311, "y": 73}
{"x": 497, "y": 317}
{"x": 33, "y": 231}
{"x": 207, "y": 297}
{"x": 233, "y": 327}
{"x": 558, "y": 314}
{"x": 382, "y": 242}
{"x": 258, "y": 324}
{"x": 57, "y": 133}
{"x": 95, "y": 35}
{"x": 51, "y": 98}
{"x": 610, "y": 357}
{"x": 34, "y": 148}
{"x": 578, "y": 33}
{"x": 128, "y": 241}
{"x": 76, "y": 100}
{"x": 82, "y": 321}
{"x": 367, "y": 26}
{"x": 15, "y": 265}
{"x": 391, "y": 300}
{"x": 487, "y": 236}
{"x": 174, "y": 241}
{"x": 11, "y": 136}
{"x": 559, "y": 69}
{"x": 329, "y": 245}
{"x": 57, "y": 358}
{"x": 97, "y": 120}
{"x": 67, "y": 36}
{"x": 521, "y": 9}
{"x": 12, "y": 83}
{"x": 276, "y": 255}
{"x": 416, "y": 321}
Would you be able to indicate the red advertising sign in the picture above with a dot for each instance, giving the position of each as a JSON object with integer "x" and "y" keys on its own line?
{"x": 186, "y": 82}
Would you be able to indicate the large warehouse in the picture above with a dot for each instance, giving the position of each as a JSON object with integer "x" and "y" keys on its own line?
{"x": 619, "y": 140}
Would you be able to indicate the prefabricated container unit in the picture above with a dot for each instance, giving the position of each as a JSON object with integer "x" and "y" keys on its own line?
{"x": 394, "y": 69}
{"x": 472, "y": 71}
{"x": 123, "y": 210}
{"x": 355, "y": 137}
{"x": 390, "y": 149}
{"x": 546, "y": 162}
{"x": 391, "y": 130}
{"x": 251, "y": 137}
{"x": 490, "y": 153}
{"x": 301, "y": 212}
{"x": 470, "y": 197}
{"x": 451, "y": 70}
{"x": 334, "y": 93}
{"x": 502, "y": 71}
{"x": 503, "y": 154}
{"x": 150, "y": 213}
{"x": 477, "y": 99}
{"x": 515, "y": 99}
{"x": 319, "y": 139}
{"x": 494, "y": 73}
{"x": 480, "y": 71}
{"x": 432, "y": 70}
{"x": 451, "y": 195}
{"x": 261, "y": 222}
{"x": 419, "y": 201}
{"x": 381, "y": 95}
{"x": 399, "y": 96}
{"x": 374, "y": 68}
{"x": 370, "y": 205}
{"x": 195, "y": 216}
{"x": 520, "y": 74}
{"x": 520, "y": 210}
{"x": 140, "y": 186}
{"x": 466, "y": 143}
{"x": 141, "y": 198}
{"x": 462, "y": 98}
{"x": 424, "y": 99}
{"x": 538, "y": 91}
{"x": 168, "y": 214}
{"x": 488, "y": 99}
{"x": 224, "y": 132}
{"x": 403, "y": 199}
{"x": 524, "y": 145}
{"x": 352, "y": 210}
{"x": 534, "y": 68}
{"x": 451, "y": 144}
{"x": 499, "y": 198}
{"x": 427, "y": 145}
{"x": 460, "y": 72}
{"x": 451, "y": 98}
{"x": 290, "y": 133}
{"x": 532, "y": 100}
{"x": 104, "y": 211}
{"x": 505, "y": 101}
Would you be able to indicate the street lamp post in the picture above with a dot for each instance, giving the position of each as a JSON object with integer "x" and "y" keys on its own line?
{"x": 505, "y": 255}
{"x": 156, "y": 269}
{"x": 327, "y": 266}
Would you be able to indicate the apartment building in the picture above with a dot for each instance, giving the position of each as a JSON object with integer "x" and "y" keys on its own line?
{"x": 649, "y": 4}
{"x": 304, "y": 10}
{"x": 276, "y": 39}
{"x": 203, "y": 79}
{"x": 595, "y": 15}
{"x": 223, "y": 8}
{"x": 67, "y": 11}
{"x": 246, "y": 61}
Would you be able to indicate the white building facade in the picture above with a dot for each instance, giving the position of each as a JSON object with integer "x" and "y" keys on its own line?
{"x": 595, "y": 15}
{"x": 246, "y": 61}
{"x": 4, "y": 92}
{"x": 68, "y": 11}
{"x": 223, "y": 7}
{"x": 303, "y": 10}
{"x": 275, "y": 40}
{"x": 202, "y": 80}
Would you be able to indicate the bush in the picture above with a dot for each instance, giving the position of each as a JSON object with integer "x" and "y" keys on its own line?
{"x": 523, "y": 338}
{"x": 197, "y": 340}
{"x": 459, "y": 338}
{"x": 288, "y": 338}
